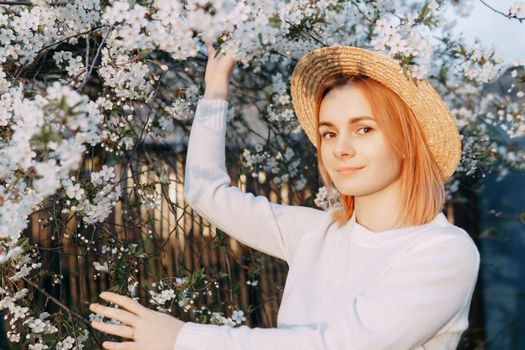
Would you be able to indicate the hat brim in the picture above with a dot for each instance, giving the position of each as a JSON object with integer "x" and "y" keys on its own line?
{"x": 439, "y": 128}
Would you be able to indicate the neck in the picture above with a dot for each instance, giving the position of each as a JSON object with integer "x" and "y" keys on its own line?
{"x": 379, "y": 211}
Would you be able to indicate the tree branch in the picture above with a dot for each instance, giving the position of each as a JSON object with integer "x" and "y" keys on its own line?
{"x": 55, "y": 300}
{"x": 502, "y": 13}
{"x": 21, "y": 3}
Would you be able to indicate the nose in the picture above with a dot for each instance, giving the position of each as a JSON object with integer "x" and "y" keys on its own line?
{"x": 344, "y": 147}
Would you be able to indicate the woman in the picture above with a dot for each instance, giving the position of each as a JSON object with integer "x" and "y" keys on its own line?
{"x": 385, "y": 270}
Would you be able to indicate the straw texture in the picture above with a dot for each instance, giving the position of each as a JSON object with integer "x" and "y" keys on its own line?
{"x": 437, "y": 123}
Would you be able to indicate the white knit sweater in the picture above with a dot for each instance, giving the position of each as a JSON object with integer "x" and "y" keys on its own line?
{"x": 348, "y": 288}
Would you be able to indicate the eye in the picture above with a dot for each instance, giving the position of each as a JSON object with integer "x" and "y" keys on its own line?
{"x": 366, "y": 127}
{"x": 323, "y": 134}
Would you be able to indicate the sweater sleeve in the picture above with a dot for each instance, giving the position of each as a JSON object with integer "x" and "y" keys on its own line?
{"x": 422, "y": 291}
{"x": 274, "y": 229}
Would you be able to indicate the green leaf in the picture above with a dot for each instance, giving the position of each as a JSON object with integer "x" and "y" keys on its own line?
{"x": 220, "y": 239}
{"x": 260, "y": 39}
{"x": 424, "y": 12}
{"x": 442, "y": 75}
{"x": 275, "y": 22}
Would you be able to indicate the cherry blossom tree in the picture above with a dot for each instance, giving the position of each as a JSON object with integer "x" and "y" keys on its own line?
{"x": 95, "y": 79}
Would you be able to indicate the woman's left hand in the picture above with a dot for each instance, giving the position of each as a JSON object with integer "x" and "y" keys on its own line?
{"x": 147, "y": 329}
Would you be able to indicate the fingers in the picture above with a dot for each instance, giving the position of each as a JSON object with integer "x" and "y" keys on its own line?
{"x": 124, "y": 301}
{"x": 211, "y": 52}
{"x": 209, "y": 47}
{"x": 121, "y": 346}
{"x": 118, "y": 330}
{"x": 116, "y": 314}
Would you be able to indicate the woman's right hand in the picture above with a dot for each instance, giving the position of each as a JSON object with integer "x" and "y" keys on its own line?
{"x": 219, "y": 71}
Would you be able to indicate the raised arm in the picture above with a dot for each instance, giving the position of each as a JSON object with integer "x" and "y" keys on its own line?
{"x": 253, "y": 220}
{"x": 427, "y": 290}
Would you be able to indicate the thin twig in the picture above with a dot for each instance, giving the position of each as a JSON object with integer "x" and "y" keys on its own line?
{"x": 19, "y": 72}
{"x": 502, "y": 13}
{"x": 55, "y": 300}
{"x": 95, "y": 59}
{"x": 22, "y": 3}
{"x": 87, "y": 61}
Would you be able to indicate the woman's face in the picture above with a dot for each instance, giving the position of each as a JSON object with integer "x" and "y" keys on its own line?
{"x": 350, "y": 137}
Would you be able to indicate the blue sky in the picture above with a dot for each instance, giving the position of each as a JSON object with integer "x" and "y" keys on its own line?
{"x": 508, "y": 36}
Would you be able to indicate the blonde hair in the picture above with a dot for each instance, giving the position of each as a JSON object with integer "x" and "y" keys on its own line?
{"x": 422, "y": 189}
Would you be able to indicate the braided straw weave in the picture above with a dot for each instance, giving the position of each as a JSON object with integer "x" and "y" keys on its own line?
{"x": 437, "y": 123}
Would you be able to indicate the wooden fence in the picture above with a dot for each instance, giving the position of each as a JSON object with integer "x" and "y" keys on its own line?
{"x": 186, "y": 243}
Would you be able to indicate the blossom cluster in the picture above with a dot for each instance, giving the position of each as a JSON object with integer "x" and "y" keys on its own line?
{"x": 87, "y": 86}
{"x": 45, "y": 135}
{"x": 93, "y": 199}
{"x": 262, "y": 160}
{"x": 406, "y": 40}
{"x": 517, "y": 10}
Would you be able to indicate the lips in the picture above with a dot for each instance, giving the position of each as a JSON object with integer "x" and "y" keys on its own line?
{"x": 348, "y": 170}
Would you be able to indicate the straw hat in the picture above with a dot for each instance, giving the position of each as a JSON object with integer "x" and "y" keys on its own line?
{"x": 437, "y": 123}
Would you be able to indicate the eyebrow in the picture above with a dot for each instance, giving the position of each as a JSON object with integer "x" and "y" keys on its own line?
{"x": 352, "y": 121}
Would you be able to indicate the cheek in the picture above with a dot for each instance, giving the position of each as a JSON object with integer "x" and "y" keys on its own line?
{"x": 383, "y": 156}
{"x": 325, "y": 155}
{"x": 328, "y": 159}
{"x": 392, "y": 163}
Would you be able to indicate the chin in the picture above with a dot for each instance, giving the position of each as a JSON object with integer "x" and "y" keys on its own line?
{"x": 353, "y": 189}
{"x": 353, "y": 192}
{"x": 361, "y": 188}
